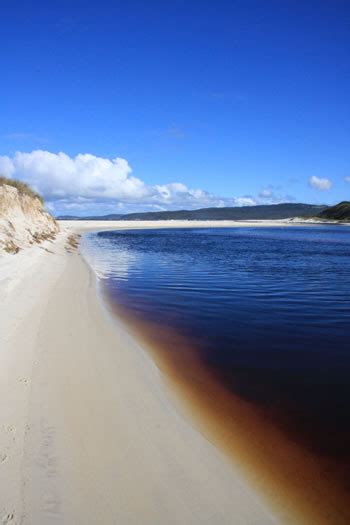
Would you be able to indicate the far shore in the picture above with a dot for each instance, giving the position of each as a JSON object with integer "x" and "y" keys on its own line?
{"x": 89, "y": 225}
{"x": 90, "y": 429}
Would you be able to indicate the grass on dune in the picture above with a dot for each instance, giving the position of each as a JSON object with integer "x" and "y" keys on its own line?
{"x": 22, "y": 187}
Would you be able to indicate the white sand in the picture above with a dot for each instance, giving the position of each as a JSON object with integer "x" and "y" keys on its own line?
{"x": 88, "y": 430}
{"x": 23, "y": 220}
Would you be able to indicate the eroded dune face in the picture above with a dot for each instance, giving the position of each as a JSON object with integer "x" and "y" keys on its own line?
{"x": 23, "y": 220}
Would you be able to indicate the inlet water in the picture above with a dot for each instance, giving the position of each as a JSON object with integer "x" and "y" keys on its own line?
{"x": 266, "y": 309}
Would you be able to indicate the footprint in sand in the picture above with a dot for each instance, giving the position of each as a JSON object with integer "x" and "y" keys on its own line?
{"x": 8, "y": 518}
{"x": 11, "y": 430}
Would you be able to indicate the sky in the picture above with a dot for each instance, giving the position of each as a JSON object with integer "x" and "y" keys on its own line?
{"x": 112, "y": 107}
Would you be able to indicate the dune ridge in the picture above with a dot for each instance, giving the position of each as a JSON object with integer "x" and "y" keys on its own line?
{"x": 24, "y": 221}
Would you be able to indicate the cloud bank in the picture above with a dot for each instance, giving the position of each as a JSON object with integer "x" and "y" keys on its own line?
{"x": 319, "y": 183}
{"x": 90, "y": 184}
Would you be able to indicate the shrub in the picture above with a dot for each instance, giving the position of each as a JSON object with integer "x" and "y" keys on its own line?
{"x": 22, "y": 187}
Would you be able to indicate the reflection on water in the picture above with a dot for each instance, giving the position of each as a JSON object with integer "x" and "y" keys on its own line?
{"x": 104, "y": 259}
{"x": 267, "y": 310}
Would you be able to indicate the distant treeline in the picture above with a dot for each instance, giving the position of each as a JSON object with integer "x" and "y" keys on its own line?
{"x": 339, "y": 212}
{"x": 244, "y": 213}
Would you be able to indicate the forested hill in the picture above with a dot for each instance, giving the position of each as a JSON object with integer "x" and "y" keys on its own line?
{"x": 339, "y": 212}
{"x": 268, "y": 211}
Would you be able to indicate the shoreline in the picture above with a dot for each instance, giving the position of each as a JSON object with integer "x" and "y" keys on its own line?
{"x": 293, "y": 482}
{"x": 300, "y": 487}
{"x": 89, "y": 433}
{"x": 96, "y": 427}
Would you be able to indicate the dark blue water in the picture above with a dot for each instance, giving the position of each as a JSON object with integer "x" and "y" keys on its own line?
{"x": 267, "y": 310}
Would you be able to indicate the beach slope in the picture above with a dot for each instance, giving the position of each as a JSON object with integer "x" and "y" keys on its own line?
{"x": 89, "y": 433}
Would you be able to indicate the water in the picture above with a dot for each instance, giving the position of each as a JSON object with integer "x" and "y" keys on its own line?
{"x": 267, "y": 311}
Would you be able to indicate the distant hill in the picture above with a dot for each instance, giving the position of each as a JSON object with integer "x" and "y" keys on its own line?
{"x": 339, "y": 212}
{"x": 111, "y": 217}
{"x": 244, "y": 213}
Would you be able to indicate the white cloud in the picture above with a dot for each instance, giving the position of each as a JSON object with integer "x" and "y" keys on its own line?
{"x": 320, "y": 183}
{"x": 274, "y": 195}
{"x": 6, "y": 166}
{"x": 60, "y": 176}
{"x": 245, "y": 201}
{"x": 266, "y": 194}
{"x": 87, "y": 184}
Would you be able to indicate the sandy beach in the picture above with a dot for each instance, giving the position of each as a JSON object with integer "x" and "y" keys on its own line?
{"x": 175, "y": 263}
{"x": 90, "y": 432}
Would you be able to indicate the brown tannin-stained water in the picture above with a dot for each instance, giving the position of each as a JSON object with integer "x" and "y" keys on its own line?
{"x": 252, "y": 327}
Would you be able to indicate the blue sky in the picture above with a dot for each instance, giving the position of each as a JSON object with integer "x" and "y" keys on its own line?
{"x": 203, "y": 103}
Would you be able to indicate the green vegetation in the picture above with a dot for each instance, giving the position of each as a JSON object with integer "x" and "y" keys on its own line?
{"x": 339, "y": 212}
{"x": 244, "y": 213}
{"x": 22, "y": 187}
